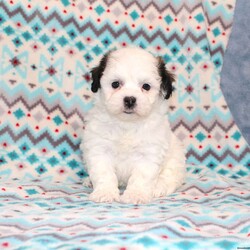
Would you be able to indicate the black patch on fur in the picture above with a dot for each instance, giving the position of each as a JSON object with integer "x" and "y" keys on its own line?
{"x": 97, "y": 73}
{"x": 167, "y": 79}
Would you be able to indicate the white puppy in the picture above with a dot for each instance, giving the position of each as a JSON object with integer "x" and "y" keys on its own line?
{"x": 127, "y": 140}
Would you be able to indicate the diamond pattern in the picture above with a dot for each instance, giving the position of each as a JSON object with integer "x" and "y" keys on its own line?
{"x": 54, "y": 86}
{"x": 199, "y": 18}
{"x": 200, "y": 137}
{"x": 53, "y": 161}
{"x": 33, "y": 159}
{"x": 41, "y": 169}
{"x": 57, "y": 119}
{"x": 45, "y": 94}
{"x": 99, "y": 10}
{"x": 236, "y": 136}
{"x": 38, "y": 116}
{"x": 216, "y": 32}
{"x": 19, "y": 114}
{"x": 168, "y": 19}
{"x": 134, "y": 15}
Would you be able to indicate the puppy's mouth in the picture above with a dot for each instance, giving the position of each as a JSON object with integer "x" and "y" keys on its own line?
{"x": 129, "y": 112}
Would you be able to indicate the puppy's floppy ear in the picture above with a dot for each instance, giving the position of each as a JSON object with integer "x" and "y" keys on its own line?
{"x": 166, "y": 79}
{"x": 97, "y": 73}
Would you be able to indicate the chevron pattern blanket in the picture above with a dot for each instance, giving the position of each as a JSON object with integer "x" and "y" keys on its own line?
{"x": 47, "y": 50}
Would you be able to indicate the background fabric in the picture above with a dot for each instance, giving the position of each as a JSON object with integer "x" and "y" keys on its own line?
{"x": 47, "y": 49}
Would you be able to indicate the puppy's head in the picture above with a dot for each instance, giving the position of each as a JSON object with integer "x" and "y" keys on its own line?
{"x": 131, "y": 82}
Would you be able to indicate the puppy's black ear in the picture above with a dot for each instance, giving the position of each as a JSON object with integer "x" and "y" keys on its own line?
{"x": 166, "y": 79}
{"x": 97, "y": 73}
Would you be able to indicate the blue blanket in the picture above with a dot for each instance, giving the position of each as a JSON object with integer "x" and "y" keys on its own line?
{"x": 47, "y": 50}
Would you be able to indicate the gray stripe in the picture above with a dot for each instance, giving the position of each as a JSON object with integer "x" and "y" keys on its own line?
{"x": 36, "y": 140}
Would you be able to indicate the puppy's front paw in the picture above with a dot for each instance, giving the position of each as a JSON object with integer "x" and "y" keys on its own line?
{"x": 162, "y": 189}
{"x": 136, "y": 197}
{"x": 105, "y": 195}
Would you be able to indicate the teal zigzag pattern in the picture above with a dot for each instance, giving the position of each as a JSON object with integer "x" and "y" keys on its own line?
{"x": 180, "y": 221}
{"x": 48, "y": 107}
{"x": 47, "y": 49}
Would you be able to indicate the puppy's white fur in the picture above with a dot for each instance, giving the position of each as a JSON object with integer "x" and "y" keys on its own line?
{"x": 136, "y": 150}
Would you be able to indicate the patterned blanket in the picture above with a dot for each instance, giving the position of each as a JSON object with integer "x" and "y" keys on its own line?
{"x": 47, "y": 49}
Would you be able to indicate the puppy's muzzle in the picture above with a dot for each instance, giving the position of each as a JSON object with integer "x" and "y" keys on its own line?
{"x": 129, "y": 102}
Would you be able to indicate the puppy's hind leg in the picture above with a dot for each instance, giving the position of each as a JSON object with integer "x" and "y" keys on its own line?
{"x": 173, "y": 172}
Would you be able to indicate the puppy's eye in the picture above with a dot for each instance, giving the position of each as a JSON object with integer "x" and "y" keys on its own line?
{"x": 115, "y": 85}
{"x": 146, "y": 86}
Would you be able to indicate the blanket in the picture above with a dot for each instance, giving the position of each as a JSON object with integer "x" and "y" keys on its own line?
{"x": 47, "y": 50}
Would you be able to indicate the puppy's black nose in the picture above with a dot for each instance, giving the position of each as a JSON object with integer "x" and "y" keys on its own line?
{"x": 129, "y": 102}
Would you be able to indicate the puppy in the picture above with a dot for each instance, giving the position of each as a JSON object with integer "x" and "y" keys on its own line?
{"x": 127, "y": 141}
